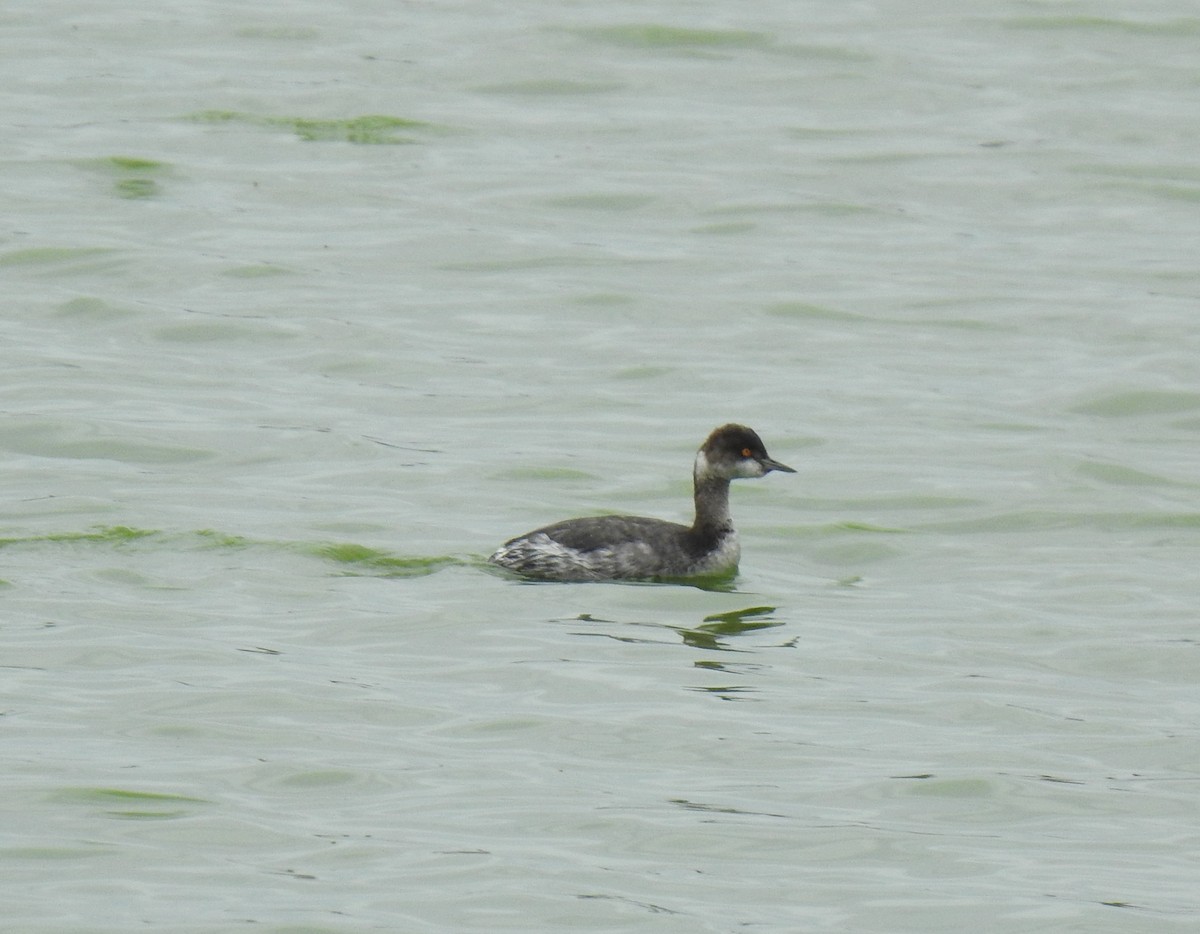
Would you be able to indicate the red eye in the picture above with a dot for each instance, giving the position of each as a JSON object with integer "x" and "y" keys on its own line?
{"x": 746, "y": 452}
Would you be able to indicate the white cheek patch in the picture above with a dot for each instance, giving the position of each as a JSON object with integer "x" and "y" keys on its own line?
{"x": 750, "y": 469}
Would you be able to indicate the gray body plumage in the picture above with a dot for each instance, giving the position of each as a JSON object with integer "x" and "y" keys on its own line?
{"x": 637, "y": 548}
{"x": 619, "y": 548}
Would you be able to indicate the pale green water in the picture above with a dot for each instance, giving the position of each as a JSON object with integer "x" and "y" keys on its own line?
{"x": 309, "y": 307}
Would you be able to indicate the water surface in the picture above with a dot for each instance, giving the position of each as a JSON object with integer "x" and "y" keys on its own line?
{"x": 311, "y": 306}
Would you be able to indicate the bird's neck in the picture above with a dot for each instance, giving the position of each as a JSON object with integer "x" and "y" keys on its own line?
{"x": 712, "y": 499}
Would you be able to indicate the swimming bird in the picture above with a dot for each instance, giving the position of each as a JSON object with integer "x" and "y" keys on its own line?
{"x": 637, "y": 548}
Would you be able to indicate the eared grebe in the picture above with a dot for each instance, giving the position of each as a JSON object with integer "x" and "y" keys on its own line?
{"x": 634, "y": 548}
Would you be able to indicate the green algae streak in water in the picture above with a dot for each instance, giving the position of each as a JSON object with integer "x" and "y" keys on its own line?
{"x": 124, "y": 804}
{"x": 133, "y": 175}
{"x": 372, "y": 129}
{"x": 390, "y": 565}
{"x": 114, "y": 534}
{"x": 357, "y": 559}
{"x": 654, "y": 35}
